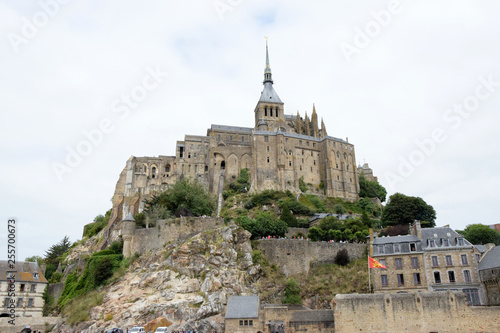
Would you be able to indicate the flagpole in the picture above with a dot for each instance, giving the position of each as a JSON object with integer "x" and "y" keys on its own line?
{"x": 369, "y": 277}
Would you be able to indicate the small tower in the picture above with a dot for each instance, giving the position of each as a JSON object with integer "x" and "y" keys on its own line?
{"x": 323, "y": 128}
{"x": 128, "y": 231}
{"x": 307, "y": 125}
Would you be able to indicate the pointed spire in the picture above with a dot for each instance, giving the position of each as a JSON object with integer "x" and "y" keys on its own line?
{"x": 298, "y": 123}
{"x": 314, "y": 121}
{"x": 307, "y": 125}
{"x": 268, "y": 76}
{"x": 323, "y": 128}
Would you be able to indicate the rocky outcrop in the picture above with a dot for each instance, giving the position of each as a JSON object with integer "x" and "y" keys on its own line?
{"x": 186, "y": 283}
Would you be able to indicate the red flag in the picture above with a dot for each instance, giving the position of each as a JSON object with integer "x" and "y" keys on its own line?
{"x": 374, "y": 263}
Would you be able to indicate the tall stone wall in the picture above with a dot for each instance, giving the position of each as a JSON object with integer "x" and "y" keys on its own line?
{"x": 416, "y": 312}
{"x": 143, "y": 240}
{"x": 40, "y": 323}
{"x": 296, "y": 256}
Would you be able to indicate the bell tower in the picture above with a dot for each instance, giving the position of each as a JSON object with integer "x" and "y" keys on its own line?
{"x": 269, "y": 109}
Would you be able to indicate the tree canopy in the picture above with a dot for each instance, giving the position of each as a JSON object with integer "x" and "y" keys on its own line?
{"x": 186, "y": 198}
{"x": 480, "y": 234}
{"x": 369, "y": 189}
{"x": 403, "y": 209}
{"x": 264, "y": 225}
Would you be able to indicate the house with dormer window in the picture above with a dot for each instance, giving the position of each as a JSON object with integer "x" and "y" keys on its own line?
{"x": 428, "y": 259}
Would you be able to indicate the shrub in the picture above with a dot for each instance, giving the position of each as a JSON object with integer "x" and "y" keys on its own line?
{"x": 292, "y": 292}
{"x": 302, "y": 184}
{"x": 342, "y": 258}
{"x": 287, "y": 217}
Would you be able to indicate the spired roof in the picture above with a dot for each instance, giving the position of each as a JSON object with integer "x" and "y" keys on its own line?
{"x": 491, "y": 259}
{"x": 269, "y": 95}
{"x": 243, "y": 307}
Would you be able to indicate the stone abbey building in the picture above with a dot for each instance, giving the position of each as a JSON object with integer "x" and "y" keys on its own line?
{"x": 279, "y": 151}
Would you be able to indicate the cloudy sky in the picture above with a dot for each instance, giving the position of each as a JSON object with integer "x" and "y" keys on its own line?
{"x": 86, "y": 84}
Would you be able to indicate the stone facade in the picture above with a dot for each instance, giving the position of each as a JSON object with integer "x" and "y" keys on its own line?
{"x": 433, "y": 259}
{"x": 245, "y": 314}
{"x": 279, "y": 151}
{"x": 296, "y": 256}
{"x": 30, "y": 283}
{"x": 413, "y": 312}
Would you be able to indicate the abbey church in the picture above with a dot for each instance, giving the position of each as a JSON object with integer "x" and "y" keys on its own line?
{"x": 279, "y": 151}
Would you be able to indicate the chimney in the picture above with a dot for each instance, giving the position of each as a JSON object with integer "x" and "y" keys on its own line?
{"x": 42, "y": 268}
{"x": 416, "y": 229}
{"x": 26, "y": 267}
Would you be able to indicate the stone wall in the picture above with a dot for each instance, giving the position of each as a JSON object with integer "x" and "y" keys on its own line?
{"x": 55, "y": 290}
{"x": 144, "y": 240}
{"x": 296, "y": 256}
{"x": 40, "y": 323}
{"x": 413, "y": 312}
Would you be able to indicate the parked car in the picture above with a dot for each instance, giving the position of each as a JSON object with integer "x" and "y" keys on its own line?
{"x": 137, "y": 329}
{"x": 161, "y": 330}
{"x": 115, "y": 330}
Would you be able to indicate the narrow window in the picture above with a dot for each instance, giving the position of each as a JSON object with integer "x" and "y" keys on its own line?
{"x": 451, "y": 276}
{"x": 265, "y": 111}
{"x": 314, "y": 144}
{"x": 401, "y": 280}
{"x": 301, "y": 168}
{"x": 6, "y": 302}
{"x": 446, "y": 242}
{"x": 33, "y": 288}
{"x": 242, "y": 139}
{"x": 31, "y": 302}
{"x": 338, "y": 177}
{"x": 314, "y": 162}
{"x": 461, "y": 242}
{"x": 271, "y": 111}
{"x": 230, "y": 138}
{"x": 167, "y": 168}
{"x": 250, "y": 322}
{"x": 336, "y": 165}
{"x": 246, "y": 321}
{"x": 399, "y": 263}
{"x": 218, "y": 137}
{"x": 268, "y": 148}
{"x": 416, "y": 279}
{"x": 414, "y": 262}
{"x": 22, "y": 287}
{"x": 464, "y": 259}
{"x": 467, "y": 276}
{"x": 437, "y": 277}
{"x": 206, "y": 168}
{"x": 19, "y": 302}
{"x": 413, "y": 248}
{"x": 241, "y": 322}
{"x": 385, "y": 283}
{"x": 277, "y": 109}
{"x": 449, "y": 261}
{"x": 189, "y": 155}
{"x": 195, "y": 168}
{"x": 289, "y": 163}
{"x": 268, "y": 159}
{"x": 435, "y": 262}
{"x": 194, "y": 155}
{"x": 380, "y": 248}
{"x": 266, "y": 138}
{"x": 396, "y": 248}
{"x": 307, "y": 143}
{"x": 432, "y": 243}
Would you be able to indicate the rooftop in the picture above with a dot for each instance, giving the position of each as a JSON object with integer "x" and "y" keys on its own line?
{"x": 395, "y": 239}
{"x": 26, "y": 271}
{"x": 491, "y": 259}
{"x": 243, "y": 307}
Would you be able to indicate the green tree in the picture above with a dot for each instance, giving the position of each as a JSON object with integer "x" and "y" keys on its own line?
{"x": 403, "y": 209}
{"x": 369, "y": 189}
{"x": 292, "y": 292}
{"x": 264, "y": 225}
{"x": 480, "y": 234}
{"x": 339, "y": 209}
{"x": 37, "y": 259}
{"x": 186, "y": 198}
{"x": 287, "y": 217}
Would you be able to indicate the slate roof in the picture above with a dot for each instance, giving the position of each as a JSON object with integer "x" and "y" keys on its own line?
{"x": 439, "y": 233}
{"x": 24, "y": 270}
{"x": 243, "y": 307}
{"x": 312, "y": 316}
{"x": 395, "y": 239}
{"x": 231, "y": 128}
{"x": 491, "y": 259}
{"x": 269, "y": 94}
{"x": 481, "y": 248}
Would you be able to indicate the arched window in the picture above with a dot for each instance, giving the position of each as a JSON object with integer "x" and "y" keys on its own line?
{"x": 277, "y": 109}
{"x": 223, "y": 165}
{"x": 271, "y": 112}
{"x": 153, "y": 172}
{"x": 265, "y": 111}
{"x": 167, "y": 168}
{"x": 206, "y": 168}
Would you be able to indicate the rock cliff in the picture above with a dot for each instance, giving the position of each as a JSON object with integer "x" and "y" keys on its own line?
{"x": 187, "y": 284}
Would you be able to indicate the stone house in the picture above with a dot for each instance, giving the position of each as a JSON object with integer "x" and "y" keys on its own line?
{"x": 30, "y": 283}
{"x": 281, "y": 151}
{"x": 433, "y": 259}
{"x": 489, "y": 272}
{"x": 246, "y": 314}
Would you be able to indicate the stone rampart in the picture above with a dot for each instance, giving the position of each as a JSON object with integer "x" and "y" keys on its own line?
{"x": 144, "y": 240}
{"x": 297, "y": 256}
{"x": 40, "y": 323}
{"x": 55, "y": 290}
{"x": 444, "y": 311}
